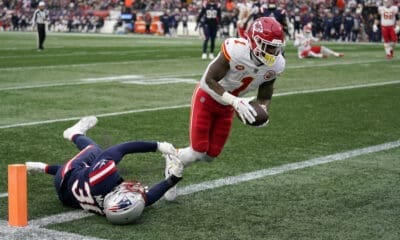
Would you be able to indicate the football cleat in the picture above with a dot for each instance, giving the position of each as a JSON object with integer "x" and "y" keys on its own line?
{"x": 211, "y": 56}
{"x": 173, "y": 166}
{"x": 204, "y": 56}
{"x": 35, "y": 167}
{"x": 80, "y": 127}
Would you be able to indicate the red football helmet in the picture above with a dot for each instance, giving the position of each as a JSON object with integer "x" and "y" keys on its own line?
{"x": 266, "y": 39}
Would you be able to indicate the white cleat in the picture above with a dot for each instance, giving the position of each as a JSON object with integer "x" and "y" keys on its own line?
{"x": 80, "y": 127}
{"x": 173, "y": 166}
{"x": 32, "y": 167}
{"x": 211, "y": 56}
{"x": 204, "y": 56}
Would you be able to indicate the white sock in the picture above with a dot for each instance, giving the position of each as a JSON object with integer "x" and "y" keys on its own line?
{"x": 387, "y": 48}
{"x": 327, "y": 51}
{"x": 188, "y": 155}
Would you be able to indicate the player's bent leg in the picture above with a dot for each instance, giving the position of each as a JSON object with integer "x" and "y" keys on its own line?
{"x": 82, "y": 141}
{"x": 81, "y": 127}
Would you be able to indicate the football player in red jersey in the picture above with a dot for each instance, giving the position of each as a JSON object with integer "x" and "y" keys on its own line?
{"x": 90, "y": 180}
{"x": 388, "y": 24}
{"x": 242, "y": 65}
{"x": 306, "y": 47}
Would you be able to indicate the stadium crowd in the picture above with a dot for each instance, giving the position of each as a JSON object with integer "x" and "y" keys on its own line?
{"x": 339, "y": 20}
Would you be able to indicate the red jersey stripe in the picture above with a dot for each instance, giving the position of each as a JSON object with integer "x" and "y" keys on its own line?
{"x": 102, "y": 173}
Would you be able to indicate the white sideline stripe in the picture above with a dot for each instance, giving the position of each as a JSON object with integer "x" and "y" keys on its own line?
{"x": 35, "y": 232}
{"x": 2, "y": 195}
{"x": 187, "y": 105}
{"x": 60, "y": 218}
{"x": 34, "y": 227}
{"x": 285, "y": 168}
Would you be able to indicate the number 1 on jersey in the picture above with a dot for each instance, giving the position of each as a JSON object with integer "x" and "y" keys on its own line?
{"x": 245, "y": 83}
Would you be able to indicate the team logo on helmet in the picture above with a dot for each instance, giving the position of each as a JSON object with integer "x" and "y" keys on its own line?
{"x": 257, "y": 27}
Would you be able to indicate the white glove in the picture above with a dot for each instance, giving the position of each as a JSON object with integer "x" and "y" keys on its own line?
{"x": 242, "y": 107}
{"x": 166, "y": 148}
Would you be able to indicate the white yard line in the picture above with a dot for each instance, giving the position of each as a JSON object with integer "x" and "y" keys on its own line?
{"x": 186, "y": 105}
{"x": 285, "y": 168}
{"x": 36, "y": 232}
{"x": 128, "y": 79}
{"x": 69, "y": 66}
{"x": 84, "y": 65}
{"x": 35, "y": 227}
{"x": 98, "y": 115}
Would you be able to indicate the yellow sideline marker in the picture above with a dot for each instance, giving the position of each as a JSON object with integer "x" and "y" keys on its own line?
{"x": 17, "y": 196}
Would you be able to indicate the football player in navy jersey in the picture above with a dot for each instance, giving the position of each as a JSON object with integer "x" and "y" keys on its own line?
{"x": 90, "y": 180}
{"x": 211, "y": 15}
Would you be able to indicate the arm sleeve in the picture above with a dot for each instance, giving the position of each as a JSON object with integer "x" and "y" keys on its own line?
{"x": 117, "y": 152}
{"x": 158, "y": 190}
{"x": 202, "y": 12}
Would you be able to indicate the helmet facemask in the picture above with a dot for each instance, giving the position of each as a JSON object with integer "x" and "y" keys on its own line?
{"x": 266, "y": 51}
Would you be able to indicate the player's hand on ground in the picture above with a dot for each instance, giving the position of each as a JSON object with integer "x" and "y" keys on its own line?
{"x": 166, "y": 148}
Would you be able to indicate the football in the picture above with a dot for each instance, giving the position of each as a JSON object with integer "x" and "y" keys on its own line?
{"x": 261, "y": 117}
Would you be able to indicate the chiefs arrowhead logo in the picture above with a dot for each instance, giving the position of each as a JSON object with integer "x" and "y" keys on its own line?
{"x": 257, "y": 27}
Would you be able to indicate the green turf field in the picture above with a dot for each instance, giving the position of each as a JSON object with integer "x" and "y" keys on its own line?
{"x": 140, "y": 88}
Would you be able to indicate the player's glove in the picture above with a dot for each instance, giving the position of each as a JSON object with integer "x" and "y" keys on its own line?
{"x": 242, "y": 107}
{"x": 166, "y": 148}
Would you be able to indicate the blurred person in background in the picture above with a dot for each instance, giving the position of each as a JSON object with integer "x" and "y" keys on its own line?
{"x": 388, "y": 23}
{"x": 306, "y": 49}
{"x": 244, "y": 9}
{"x": 210, "y": 14}
{"x": 185, "y": 20}
{"x": 39, "y": 21}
